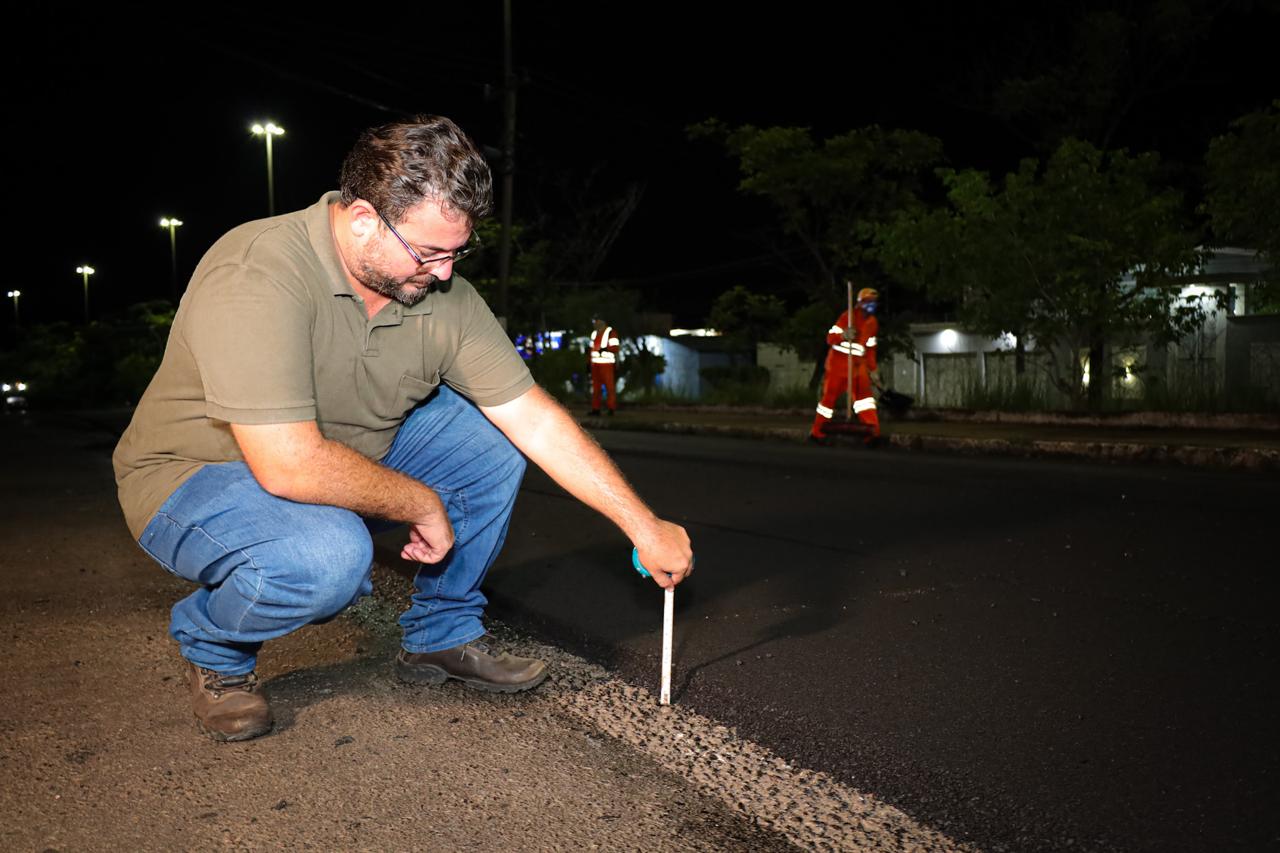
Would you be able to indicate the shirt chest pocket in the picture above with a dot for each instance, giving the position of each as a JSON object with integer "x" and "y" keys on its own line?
{"x": 390, "y": 397}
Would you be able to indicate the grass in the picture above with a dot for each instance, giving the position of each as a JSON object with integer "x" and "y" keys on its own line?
{"x": 657, "y": 396}
{"x": 728, "y": 394}
{"x": 1007, "y": 396}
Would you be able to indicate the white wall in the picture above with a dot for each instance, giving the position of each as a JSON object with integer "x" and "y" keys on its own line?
{"x": 786, "y": 370}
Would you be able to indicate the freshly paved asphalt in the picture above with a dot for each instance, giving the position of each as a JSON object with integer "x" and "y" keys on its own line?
{"x": 1031, "y": 654}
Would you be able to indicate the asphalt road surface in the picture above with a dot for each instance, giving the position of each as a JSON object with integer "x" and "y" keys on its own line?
{"x": 1019, "y": 653}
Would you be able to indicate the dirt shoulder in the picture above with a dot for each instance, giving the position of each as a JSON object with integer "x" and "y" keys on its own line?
{"x": 98, "y": 748}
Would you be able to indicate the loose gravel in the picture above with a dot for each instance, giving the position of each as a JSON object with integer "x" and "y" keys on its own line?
{"x": 810, "y": 809}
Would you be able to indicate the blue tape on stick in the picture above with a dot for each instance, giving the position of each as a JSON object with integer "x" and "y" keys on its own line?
{"x": 639, "y": 567}
{"x": 635, "y": 562}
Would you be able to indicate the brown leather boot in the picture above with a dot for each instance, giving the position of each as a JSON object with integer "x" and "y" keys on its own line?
{"x": 228, "y": 707}
{"x": 473, "y": 665}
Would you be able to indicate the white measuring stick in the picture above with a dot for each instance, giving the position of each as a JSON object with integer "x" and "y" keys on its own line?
{"x": 668, "y": 619}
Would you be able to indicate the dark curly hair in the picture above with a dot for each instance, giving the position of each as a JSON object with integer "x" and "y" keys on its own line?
{"x": 397, "y": 166}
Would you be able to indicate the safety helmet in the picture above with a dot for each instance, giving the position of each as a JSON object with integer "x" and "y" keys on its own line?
{"x": 867, "y": 298}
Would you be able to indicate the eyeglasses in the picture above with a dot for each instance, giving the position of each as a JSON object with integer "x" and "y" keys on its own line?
{"x": 434, "y": 260}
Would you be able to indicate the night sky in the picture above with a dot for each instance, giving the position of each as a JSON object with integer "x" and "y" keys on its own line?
{"x": 120, "y": 119}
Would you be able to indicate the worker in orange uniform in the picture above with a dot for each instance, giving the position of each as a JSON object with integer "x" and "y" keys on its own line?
{"x": 604, "y": 356}
{"x": 851, "y": 336}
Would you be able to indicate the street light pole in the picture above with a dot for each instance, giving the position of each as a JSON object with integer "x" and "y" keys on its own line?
{"x": 508, "y": 168}
{"x": 269, "y": 130}
{"x": 172, "y": 224}
{"x": 14, "y": 294}
{"x": 86, "y": 271}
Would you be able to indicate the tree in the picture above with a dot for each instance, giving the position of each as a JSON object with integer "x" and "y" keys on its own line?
{"x": 804, "y": 332}
{"x": 1073, "y": 253}
{"x": 747, "y": 318}
{"x": 830, "y": 195}
{"x": 576, "y": 217}
{"x": 108, "y": 361}
{"x": 966, "y": 254}
{"x": 1243, "y": 193}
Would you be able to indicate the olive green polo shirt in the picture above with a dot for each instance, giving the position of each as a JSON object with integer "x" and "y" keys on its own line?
{"x": 269, "y": 331}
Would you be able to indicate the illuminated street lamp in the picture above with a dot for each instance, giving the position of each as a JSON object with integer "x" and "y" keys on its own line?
{"x": 14, "y": 294}
{"x": 172, "y": 224}
{"x": 269, "y": 130}
{"x": 86, "y": 271}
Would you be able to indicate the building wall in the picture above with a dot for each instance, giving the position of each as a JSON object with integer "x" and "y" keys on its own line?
{"x": 1236, "y": 356}
{"x": 786, "y": 370}
{"x": 902, "y": 374}
{"x": 1198, "y": 359}
{"x": 949, "y": 363}
{"x": 948, "y": 378}
{"x": 681, "y": 375}
{"x": 1251, "y": 362}
{"x": 1195, "y": 367}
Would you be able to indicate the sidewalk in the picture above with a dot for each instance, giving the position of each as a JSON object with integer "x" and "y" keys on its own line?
{"x": 1249, "y": 441}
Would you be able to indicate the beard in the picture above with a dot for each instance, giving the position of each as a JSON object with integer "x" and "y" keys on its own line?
{"x": 408, "y": 292}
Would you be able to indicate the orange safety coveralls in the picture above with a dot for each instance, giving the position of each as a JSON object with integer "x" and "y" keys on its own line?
{"x": 836, "y": 378}
{"x": 604, "y": 355}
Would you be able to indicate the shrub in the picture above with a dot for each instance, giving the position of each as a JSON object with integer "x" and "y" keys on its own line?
{"x": 639, "y": 369}
{"x": 735, "y": 385}
{"x": 563, "y": 372}
{"x": 1014, "y": 395}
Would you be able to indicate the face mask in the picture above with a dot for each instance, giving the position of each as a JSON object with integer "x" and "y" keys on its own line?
{"x": 868, "y": 307}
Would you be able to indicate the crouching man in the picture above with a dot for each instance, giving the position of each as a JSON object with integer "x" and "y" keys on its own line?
{"x": 327, "y": 373}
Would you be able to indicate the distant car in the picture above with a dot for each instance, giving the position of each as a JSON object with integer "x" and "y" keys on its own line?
{"x": 15, "y": 396}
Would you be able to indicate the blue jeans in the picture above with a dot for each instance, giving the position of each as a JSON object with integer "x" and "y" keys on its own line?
{"x": 267, "y": 566}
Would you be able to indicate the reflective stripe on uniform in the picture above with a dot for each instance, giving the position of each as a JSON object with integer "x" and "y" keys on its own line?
{"x": 825, "y": 411}
{"x": 603, "y": 340}
{"x": 864, "y": 404}
{"x": 835, "y": 330}
{"x": 846, "y": 347}
{"x": 871, "y": 341}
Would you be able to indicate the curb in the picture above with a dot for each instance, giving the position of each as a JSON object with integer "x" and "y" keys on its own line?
{"x": 724, "y": 431}
{"x": 1245, "y": 458}
{"x": 1266, "y": 422}
{"x": 1248, "y": 458}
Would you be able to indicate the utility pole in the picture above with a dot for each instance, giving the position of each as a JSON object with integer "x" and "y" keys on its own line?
{"x": 508, "y": 168}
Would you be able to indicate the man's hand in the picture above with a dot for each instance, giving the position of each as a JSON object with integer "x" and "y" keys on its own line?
{"x": 543, "y": 431}
{"x": 294, "y": 461}
{"x": 665, "y": 551}
{"x": 431, "y": 538}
